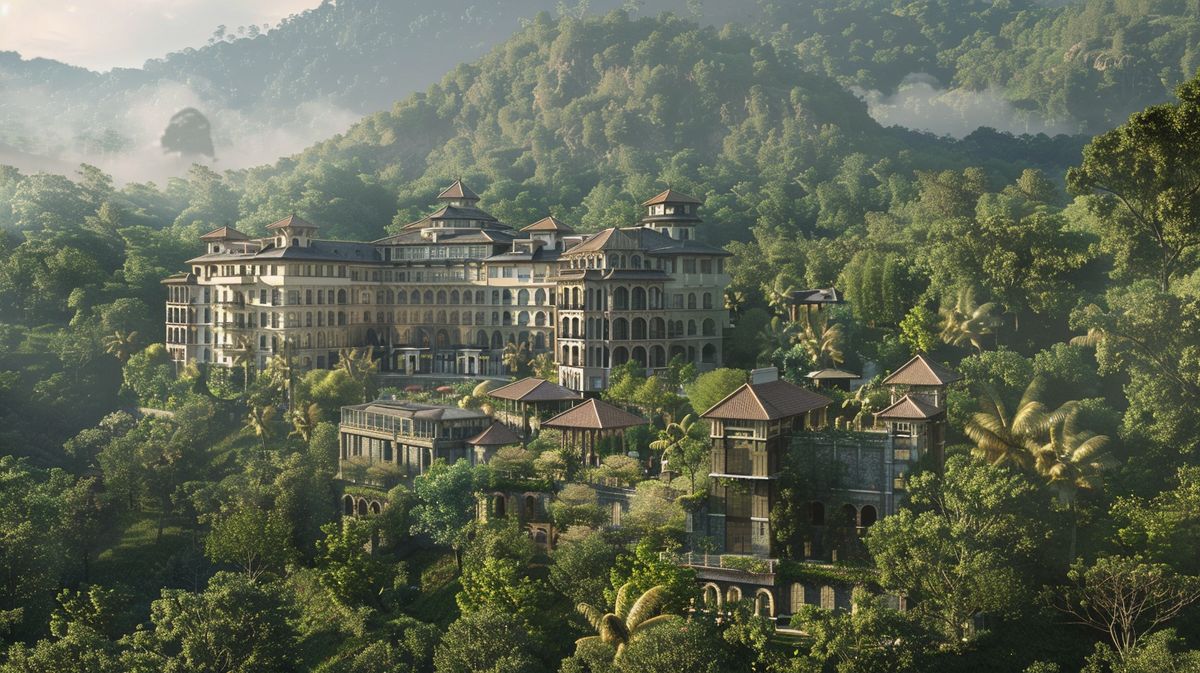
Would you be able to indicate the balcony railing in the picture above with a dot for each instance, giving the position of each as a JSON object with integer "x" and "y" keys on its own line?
{"x": 748, "y": 564}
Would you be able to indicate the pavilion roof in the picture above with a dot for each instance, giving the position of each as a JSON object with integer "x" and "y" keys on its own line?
{"x": 294, "y": 221}
{"x": 910, "y": 408}
{"x": 921, "y": 371}
{"x": 670, "y": 196}
{"x": 222, "y": 233}
{"x": 768, "y": 401}
{"x": 497, "y": 434}
{"x": 595, "y": 415}
{"x": 457, "y": 190}
{"x": 550, "y": 223}
{"x": 831, "y": 375}
{"x": 533, "y": 389}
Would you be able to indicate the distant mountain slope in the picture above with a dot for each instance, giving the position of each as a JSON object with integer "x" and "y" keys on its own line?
{"x": 1017, "y": 65}
{"x": 583, "y": 119}
{"x": 267, "y": 95}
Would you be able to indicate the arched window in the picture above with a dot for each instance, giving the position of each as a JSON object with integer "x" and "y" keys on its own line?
{"x": 639, "y": 299}
{"x": 621, "y": 299}
{"x": 816, "y": 513}
{"x": 867, "y": 516}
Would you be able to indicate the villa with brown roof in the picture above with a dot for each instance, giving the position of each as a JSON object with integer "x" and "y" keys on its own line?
{"x": 751, "y": 429}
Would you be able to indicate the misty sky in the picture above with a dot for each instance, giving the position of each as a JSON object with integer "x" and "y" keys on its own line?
{"x": 102, "y": 34}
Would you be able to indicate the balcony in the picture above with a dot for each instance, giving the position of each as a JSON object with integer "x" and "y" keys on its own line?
{"x": 727, "y": 567}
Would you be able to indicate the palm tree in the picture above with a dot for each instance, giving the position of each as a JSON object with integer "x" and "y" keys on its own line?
{"x": 304, "y": 422}
{"x": 515, "y": 356}
{"x": 673, "y": 435}
{"x": 734, "y": 301}
{"x": 966, "y": 321}
{"x": 259, "y": 421}
{"x": 1072, "y": 460}
{"x": 279, "y": 371}
{"x": 776, "y": 334}
{"x": 544, "y": 367}
{"x": 120, "y": 345}
{"x": 779, "y": 295}
{"x": 1003, "y": 438}
{"x": 866, "y": 399}
{"x": 820, "y": 340}
{"x": 359, "y": 366}
{"x": 244, "y": 357}
{"x": 628, "y": 619}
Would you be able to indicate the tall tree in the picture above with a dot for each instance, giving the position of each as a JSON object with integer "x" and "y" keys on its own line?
{"x": 1148, "y": 181}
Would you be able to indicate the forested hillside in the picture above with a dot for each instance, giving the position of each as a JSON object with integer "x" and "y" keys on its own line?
{"x": 1088, "y": 63}
{"x": 156, "y": 518}
{"x": 1080, "y": 67}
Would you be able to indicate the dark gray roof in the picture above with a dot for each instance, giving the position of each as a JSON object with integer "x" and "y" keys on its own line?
{"x": 405, "y": 409}
{"x": 317, "y": 250}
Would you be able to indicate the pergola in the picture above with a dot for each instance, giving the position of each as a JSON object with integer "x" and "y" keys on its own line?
{"x": 534, "y": 395}
{"x": 585, "y": 425}
{"x": 486, "y": 443}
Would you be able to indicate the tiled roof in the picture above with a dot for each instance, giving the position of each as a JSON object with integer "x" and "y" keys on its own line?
{"x": 768, "y": 401}
{"x": 831, "y": 374}
{"x": 921, "y": 371}
{"x": 910, "y": 408}
{"x": 670, "y": 196}
{"x": 549, "y": 224}
{"x": 458, "y": 191}
{"x": 223, "y": 233}
{"x": 609, "y": 239}
{"x": 497, "y": 434}
{"x": 405, "y": 409}
{"x": 292, "y": 220}
{"x": 533, "y": 389}
{"x": 333, "y": 251}
{"x": 824, "y": 295}
{"x": 595, "y": 415}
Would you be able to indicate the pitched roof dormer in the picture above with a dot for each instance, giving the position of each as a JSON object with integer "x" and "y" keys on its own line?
{"x": 292, "y": 230}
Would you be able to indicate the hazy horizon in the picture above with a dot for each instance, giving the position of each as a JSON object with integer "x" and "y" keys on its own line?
{"x": 126, "y": 33}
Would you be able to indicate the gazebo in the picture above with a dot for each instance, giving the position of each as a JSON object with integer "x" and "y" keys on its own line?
{"x": 531, "y": 396}
{"x": 585, "y": 425}
{"x": 832, "y": 378}
{"x": 485, "y": 444}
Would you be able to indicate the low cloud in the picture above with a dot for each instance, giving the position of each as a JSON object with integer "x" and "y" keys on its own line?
{"x": 920, "y": 103}
{"x": 121, "y": 135}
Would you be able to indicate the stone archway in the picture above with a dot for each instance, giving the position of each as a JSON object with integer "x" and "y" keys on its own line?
{"x": 764, "y": 601}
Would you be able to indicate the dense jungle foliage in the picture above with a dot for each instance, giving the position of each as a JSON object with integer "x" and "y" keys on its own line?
{"x": 1060, "y": 276}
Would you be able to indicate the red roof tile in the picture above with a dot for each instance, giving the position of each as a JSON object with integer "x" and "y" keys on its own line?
{"x": 768, "y": 401}
{"x": 549, "y": 224}
{"x": 912, "y": 408}
{"x": 921, "y": 371}
{"x": 497, "y": 434}
{"x": 670, "y": 196}
{"x": 292, "y": 220}
{"x": 595, "y": 415}
{"x": 533, "y": 389}
{"x": 223, "y": 233}
{"x": 458, "y": 191}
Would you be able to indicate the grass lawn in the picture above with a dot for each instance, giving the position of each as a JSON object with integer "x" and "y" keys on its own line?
{"x": 435, "y": 572}
{"x": 141, "y": 564}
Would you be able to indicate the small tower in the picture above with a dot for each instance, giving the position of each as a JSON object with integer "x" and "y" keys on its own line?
{"x": 916, "y": 418}
{"x": 550, "y": 231}
{"x": 673, "y": 214}
{"x": 292, "y": 231}
{"x": 458, "y": 194}
{"x": 224, "y": 239}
